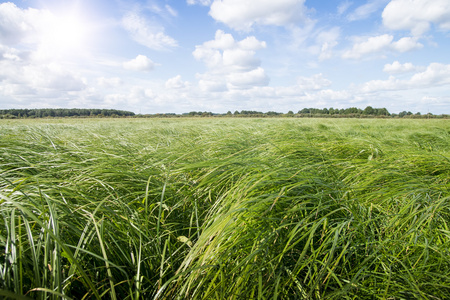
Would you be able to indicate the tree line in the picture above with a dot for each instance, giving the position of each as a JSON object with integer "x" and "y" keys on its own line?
{"x": 351, "y": 112}
{"x": 369, "y": 111}
{"x": 62, "y": 112}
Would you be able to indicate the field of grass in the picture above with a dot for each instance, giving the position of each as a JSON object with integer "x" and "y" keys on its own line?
{"x": 225, "y": 209}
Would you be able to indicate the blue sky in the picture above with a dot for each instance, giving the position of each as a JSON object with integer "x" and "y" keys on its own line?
{"x": 161, "y": 56}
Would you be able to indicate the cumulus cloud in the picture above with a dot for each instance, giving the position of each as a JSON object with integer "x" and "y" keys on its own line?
{"x": 436, "y": 74}
{"x": 140, "y": 63}
{"x": 244, "y": 80}
{"x": 406, "y": 44}
{"x": 384, "y": 85}
{"x": 327, "y": 95}
{"x": 372, "y": 45}
{"x": 176, "y": 83}
{"x": 240, "y": 59}
{"x": 147, "y": 34}
{"x": 131, "y": 97}
{"x": 211, "y": 83}
{"x": 417, "y": 15}
{"x": 230, "y": 63}
{"x": 19, "y": 25}
{"x": 244, "y": 14}
{"x": 380, "y": 44}
{"x": 316, "y": 82}
{"x": 398, "y": 68}
{"x": 54, "y": 77}
{"x": 44, "y": 79}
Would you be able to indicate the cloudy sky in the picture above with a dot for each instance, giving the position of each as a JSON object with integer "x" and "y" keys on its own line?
{"x": 157, "y": 56}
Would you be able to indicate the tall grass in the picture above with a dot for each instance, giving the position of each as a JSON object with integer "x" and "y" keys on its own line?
{"x": 225, "y": 209}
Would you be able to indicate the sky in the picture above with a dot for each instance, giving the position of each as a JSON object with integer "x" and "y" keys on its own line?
{"x": 177, "y": 56}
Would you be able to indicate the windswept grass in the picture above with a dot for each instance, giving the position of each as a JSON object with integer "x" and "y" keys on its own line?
{"x": 225, "y": 209}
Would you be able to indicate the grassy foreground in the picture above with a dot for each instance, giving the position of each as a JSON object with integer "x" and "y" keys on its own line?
{"x": 225, "y": 209}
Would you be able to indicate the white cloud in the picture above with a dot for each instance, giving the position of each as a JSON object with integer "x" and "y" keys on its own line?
{"x": 364, "y": 11}
{"x": 171, "y": 11}
{"x": 243, "y": 80}
{"x": 327, "y": 40}
{"x": 300, "y": 35}
{"x": 54, "y": 77}
{"x": 316, "y": 82}
{"x": 113, "y": 100}
{"x": 211, "y": 57}
{"x": 383, "y": 85}
{"x": 239, "y": 59}
{"x": 11, "y": 54}
{"x": 327, "y": 95}
{"x": 140, "y": 63}
{"x": 417, "y": 15}
{"x": 46, "y": 80}
{"x": 131, "y": 98}
{"x": 372, "y": 45}
{"x": 436, "y": 74}
{"x": 398, "y": 68}
{"x": 109, "y": 82}
{"x": 436, "y": 101}
{"x": 209, "y": 83}
{"x": 230, "y": 63}
{"x": 138, "y": 94}
{"x": 343, "y": 7}
{"x": 176, "y": 83}
{"x": 244, "y": 14}
{"x": 19, "y": 25}
{"x": 251, "y": 43}
{"x": 200, "y": 2}
{"x": 326, "y": 50}
{"x": 143, "y": 32}
{"x": 406, "y": 44}
{"x": 50, "y": 36}
{"x": 380, "y": 44}
{"x": 221, "y": 41}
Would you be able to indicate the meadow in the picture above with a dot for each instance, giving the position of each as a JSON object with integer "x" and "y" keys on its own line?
{"x": 225, "y": 208}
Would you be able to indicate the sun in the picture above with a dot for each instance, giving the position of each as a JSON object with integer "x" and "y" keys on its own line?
{"x": 69, "y": 32}
{"x": 64, "y": 35}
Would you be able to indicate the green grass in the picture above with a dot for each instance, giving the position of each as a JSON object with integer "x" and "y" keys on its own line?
{"x": 225, "y": 209}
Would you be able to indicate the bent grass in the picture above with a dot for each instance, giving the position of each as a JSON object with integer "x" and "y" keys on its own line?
{"x": 225, "y": 209}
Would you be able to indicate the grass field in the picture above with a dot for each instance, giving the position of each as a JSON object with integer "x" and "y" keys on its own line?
{"x": 225, "y": 209}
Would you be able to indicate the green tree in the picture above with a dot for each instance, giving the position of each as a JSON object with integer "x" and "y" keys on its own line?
{"x": 369, "y": 111}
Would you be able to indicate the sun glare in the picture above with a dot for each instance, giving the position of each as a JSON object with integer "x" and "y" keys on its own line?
{"x": 64, "y": 35}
